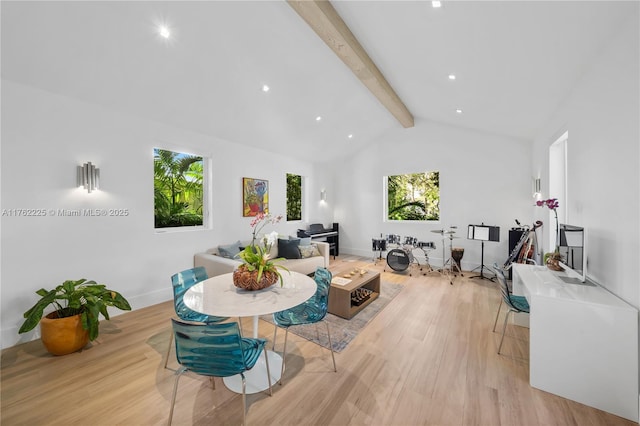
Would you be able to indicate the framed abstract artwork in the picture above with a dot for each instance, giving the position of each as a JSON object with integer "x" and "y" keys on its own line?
{"x": 255, "y": 197}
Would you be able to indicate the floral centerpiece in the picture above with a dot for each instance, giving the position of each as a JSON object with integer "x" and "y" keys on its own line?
{"x": 552, "y": 259}
{"x": 258, "y": 270}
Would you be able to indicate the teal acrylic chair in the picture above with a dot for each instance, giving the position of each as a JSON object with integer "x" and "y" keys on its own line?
{"x": 216, "y": 350}
{"x": 183, "y": 281}
{"x": 516, "y": 304}
{"x": 312, "y": 311}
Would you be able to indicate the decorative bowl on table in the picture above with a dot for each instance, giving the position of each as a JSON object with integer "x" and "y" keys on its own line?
{"x": 248, "y": 280}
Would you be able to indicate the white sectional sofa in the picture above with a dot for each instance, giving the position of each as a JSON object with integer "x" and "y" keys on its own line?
{"x": 216, "y": 264}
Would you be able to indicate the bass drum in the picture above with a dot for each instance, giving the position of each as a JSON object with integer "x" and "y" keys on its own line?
{"x": 399, "y": 260}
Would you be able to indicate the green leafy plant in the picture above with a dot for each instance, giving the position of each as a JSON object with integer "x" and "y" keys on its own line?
{"x": 178, "y": 189}
{"x": 414, "y": 196}
{"x": 87, "y": 298}
{"x": 256, "y": 258}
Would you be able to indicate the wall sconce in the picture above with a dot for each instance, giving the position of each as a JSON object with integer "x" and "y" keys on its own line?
{"x": 323, "y": 195}
{"x": 89, "y": 177}
{"x": 537, "y": 187}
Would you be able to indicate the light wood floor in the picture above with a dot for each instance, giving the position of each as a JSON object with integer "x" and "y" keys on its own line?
{"x": 429, "y": 358}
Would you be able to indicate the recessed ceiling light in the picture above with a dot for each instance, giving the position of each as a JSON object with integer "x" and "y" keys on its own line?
{"x": 458, "y": 111}
{"x": 350, "y": 136}
{"x": 436, "y": 4}
{"x": 164, "y": 31}
{"x": 265, "y": 88}
{"x": 318, "y": 118}
{"x": 452, "y": 77}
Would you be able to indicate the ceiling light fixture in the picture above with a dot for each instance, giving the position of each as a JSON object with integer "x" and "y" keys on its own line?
{"x": 265, "y": 88}
{"x": 318, "y": 118}
{"x": 350, "y": 136}
{"x": 452, "y": 77}
{"x": 458, "y": 111}
{"x": 436, "y": 4}
{"x": 164, "y": 31}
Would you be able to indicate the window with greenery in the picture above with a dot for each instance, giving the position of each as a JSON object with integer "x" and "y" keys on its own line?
{"x": 414, "y": 196}
{"x": 294, "y": 197}
{"x": 178, "y": 189}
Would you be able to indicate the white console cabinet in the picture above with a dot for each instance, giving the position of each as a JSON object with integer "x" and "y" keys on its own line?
{"x": 583, "y": 341}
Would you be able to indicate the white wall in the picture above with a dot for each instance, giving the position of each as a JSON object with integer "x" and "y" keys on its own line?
{"x": 44, "y": 138}
{"x": 602, "y": 117}
{"x": 483, "y": 178}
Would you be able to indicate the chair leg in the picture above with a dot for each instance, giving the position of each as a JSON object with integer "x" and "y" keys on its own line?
{"x": 504, "y": 328}
{"x": 166, "y": 359}
{"x": 331, "y": 347}
{"x": 275, "y": 331}
{"x": 497, "y": 314}
{"x": 284, "y": 353}
{"x": 266, "y": 361}
{"x": 175, "y": 390}
{"x": 244, "y": 400}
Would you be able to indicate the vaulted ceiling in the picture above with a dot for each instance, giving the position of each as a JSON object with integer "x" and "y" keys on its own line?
{"x": 514, "y": 62}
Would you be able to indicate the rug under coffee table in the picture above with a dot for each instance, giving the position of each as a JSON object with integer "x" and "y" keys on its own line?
{"x": 343, "y": 293}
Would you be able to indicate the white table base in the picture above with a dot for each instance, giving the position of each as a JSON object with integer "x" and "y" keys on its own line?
{"x": 256, "y": 378}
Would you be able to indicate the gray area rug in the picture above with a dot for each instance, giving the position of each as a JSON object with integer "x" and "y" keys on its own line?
{"x": 343, "y": 331}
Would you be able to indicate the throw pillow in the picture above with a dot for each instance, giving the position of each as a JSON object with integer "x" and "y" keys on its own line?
{"x": 229, "y": 250}
{"x": 304, "y": 241}
{"x": 309, "y": 251}
{"x": 288, "y": 249}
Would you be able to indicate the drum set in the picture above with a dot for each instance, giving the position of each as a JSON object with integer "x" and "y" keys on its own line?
{"x": 402, "y": 254}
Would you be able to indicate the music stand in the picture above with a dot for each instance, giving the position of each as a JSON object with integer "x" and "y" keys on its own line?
{"x": 483, "y": 233}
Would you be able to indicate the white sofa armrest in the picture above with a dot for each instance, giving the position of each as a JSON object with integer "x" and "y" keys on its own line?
{"x": 324, "y": 250}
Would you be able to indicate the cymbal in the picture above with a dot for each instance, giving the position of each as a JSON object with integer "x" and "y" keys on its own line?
{"x": 438, "y": 231}
{"x": 450, "y": 232}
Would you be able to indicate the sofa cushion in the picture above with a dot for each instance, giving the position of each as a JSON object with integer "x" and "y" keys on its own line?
{"x": 308, "y": 251}
{"x": 288, "y": 248}
{"x": 229, "y": 250}
{"x": 304, "y": 241}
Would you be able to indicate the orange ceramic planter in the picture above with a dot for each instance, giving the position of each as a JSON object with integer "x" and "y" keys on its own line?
{"x": 62, "y": 336}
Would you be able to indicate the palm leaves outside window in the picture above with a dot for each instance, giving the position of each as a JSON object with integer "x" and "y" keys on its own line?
{"x": 178, "y": 189}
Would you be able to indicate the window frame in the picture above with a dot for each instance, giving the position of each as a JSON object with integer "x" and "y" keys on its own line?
{"x": 385, "y": 210}
{"x": 301, "y": 198}
{"x": 206, "y": 189}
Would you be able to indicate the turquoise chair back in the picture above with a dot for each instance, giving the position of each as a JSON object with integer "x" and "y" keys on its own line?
{"x": 215, "y": 349}
{"x": 183, "y": 281}
{"x": 313, "y": 309}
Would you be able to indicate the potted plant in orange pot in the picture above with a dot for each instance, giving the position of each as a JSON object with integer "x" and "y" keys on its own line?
{"x": 76, "y": 317}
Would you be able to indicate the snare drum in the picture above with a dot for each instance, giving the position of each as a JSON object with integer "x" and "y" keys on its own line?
{"x": 427, "y": 245}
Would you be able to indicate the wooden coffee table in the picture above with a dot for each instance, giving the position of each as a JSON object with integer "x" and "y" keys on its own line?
{"x": 340, "y": 302}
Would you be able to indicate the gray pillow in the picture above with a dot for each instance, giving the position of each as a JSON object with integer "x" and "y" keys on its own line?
{"x": 229, "y": 250}
{"x": 288, "y": 248}
{"x": 304, "y": 241}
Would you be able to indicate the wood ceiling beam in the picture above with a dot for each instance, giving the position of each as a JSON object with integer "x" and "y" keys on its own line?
{"x": 325, "y": 21}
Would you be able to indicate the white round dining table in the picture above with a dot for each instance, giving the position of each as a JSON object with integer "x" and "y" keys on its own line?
{"x": 219, "y": 297}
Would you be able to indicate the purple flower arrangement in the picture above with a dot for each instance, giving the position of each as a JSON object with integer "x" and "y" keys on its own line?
{"x": 553, "y": 204}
